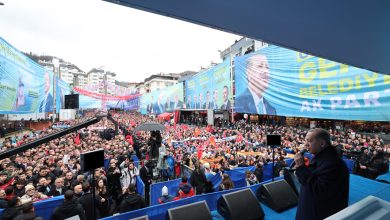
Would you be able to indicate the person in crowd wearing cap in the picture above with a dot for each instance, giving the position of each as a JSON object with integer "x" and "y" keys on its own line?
{"x": 32, "y": 194}
{"x": 165, "y": 197}
{"x": 132, "y": 202}
{"x": 28, "y": 212}
{"x": 185, "y": 189}
{"x": 70, "y": 208}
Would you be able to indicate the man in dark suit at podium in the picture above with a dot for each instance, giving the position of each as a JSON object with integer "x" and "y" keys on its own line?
{"x": 252, "y": 100}
{"x": 325, "y": 182}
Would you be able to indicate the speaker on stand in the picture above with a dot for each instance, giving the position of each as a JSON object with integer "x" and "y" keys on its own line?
{"x": 89, "y": 162}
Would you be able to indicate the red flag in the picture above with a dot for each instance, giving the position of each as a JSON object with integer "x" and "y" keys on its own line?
{"x": 185, "y": 127}
{"x": 239, "y": 138}
{"x": 77, "y": 140}
{"x": 200, "y": 152}
{"x": 212, "y": 141}
{"x": 197, "y": 132}
{"x": 129, "y": 139}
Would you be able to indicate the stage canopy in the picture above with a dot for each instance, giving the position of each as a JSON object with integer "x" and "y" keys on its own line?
{"x": 353, "y": 32}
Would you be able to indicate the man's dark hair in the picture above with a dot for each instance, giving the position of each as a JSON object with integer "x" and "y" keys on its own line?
{"x": 9, "y": 190}
{"x": 132, "y": 188}
{"x": 27, "y": 207}
{"x": 86, "y": 186}
{"x": 68, "y": 195}
{"x": 184, "y": 179}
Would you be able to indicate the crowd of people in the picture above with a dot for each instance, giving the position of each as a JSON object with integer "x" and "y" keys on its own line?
{"x": 54, "y": 169}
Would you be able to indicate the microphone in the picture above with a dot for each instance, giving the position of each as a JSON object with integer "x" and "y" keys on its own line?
{"x": 303, "y": 151}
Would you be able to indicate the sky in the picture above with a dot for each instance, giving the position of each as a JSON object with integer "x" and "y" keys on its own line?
{"x": 93, "y": 33}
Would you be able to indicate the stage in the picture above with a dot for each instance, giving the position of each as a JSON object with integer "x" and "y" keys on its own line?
{"x": 359, "y": 188}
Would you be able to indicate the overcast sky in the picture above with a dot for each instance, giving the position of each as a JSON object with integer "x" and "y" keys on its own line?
{"x": 94, "y": 33}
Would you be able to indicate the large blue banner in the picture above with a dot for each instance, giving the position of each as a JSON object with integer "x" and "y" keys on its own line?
{"x": 130, "y": 104}
{"x": 25, "y": 86}
{"x": 278, "y": 81}
{"x": 62, "y": 89}
{"x": 164, "y": 100}
{"x": 86, "y": 102}
{"x": 210, "y": 89}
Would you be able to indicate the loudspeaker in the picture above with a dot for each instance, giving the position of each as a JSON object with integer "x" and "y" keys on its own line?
{"x": 240, "y": 205}
{"x": 72, "y": 101}
{"x": 277, "y": 195}
{"x": 193, "y": 211}
{"x": 92, "y": 160}
{"x": 274, "y": 140}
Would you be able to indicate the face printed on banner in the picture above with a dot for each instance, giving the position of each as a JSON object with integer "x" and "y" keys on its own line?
{"x": 225, "y": 94}
{"x": 160, "y": 98}
{"x": 208, "y": 96}
{"x": 215, "y": 96}
{"x": 257, "y": 72}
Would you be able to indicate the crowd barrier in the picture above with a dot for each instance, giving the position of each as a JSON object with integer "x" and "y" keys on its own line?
{"x": 46, "y": 207}
{"x": 237, "y": 176}
{"x": 159, "y": 211}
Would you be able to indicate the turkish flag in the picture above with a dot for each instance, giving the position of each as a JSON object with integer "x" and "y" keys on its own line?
{"x": 77, "y": 140}
{"x": 212, "y": 141}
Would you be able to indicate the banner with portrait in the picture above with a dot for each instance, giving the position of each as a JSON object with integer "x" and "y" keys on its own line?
{"x": 129, "y": 104}
{"x": 25, "y": 86}
{"x": 210, "y": 89}
{"x": 89, "y": 101}
{"x": 164, "y": 100}
{"x": 62, "y": 88}
{"x": 279, "y": 81}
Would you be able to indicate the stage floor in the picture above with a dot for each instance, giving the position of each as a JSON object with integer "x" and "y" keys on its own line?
{"x": 359, "y": 189}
